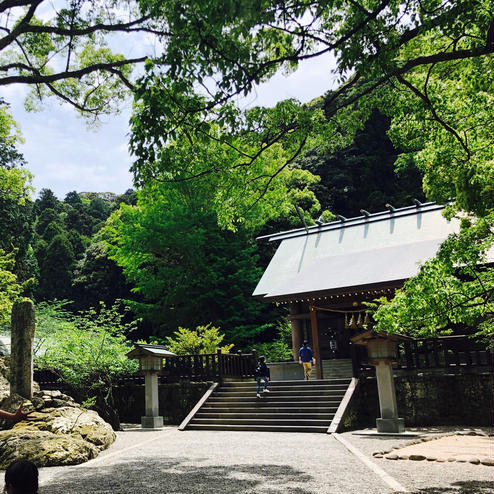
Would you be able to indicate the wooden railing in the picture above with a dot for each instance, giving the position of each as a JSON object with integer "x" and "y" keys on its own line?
{"x": 445, "y": 352}
{"x": 210, "y": 366}
{"x": 202, "y": 367}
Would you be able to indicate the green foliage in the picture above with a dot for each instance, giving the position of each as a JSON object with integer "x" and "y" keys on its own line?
{"x": 186, "y": 271}
{"x": 98, "y": 278}
{"x": 362, "y": 175}
{"x": 56, "y": 269}
{"x": 204, "y": 339}
{"x": 87, "y": 350}
{"x": 10, "y": 288}
{"x": 280, "y": 349}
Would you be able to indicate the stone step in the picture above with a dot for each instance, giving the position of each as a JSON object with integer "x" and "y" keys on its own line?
{"x": 290, "y": 406}
{"x": 275, "y": 404}
{"x": 286, "y": 389}
{"x": 258, "y": 428}
{"x": 263, "y": 421}
{"x": 291, "y": 393}
{"x": 264, "y": 408}
{"x": 265, "y": 414}
{"x": 298, "y": 382}
{"x": 271, "y": 397}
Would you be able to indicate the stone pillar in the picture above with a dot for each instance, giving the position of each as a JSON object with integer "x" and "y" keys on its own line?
{"x": 297, "y": 329}
{"x": 22, "y": 338}
{"x": 389, "y": 421}
{"x": 151, "y": 420}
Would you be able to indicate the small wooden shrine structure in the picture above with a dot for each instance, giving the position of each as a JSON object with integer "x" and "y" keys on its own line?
{"x": 325, "y": 272}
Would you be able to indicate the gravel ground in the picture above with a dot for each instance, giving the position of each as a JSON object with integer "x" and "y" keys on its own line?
{"x": 217, "y": 462}
{"x": 424, "y": 477}
{"x": 204, "y": 462}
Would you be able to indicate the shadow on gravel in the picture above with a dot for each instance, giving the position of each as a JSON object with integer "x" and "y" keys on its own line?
{"x": 175, "y": 476}
{"x": 463, "y": 487}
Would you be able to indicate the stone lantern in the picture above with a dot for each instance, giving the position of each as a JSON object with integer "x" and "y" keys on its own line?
{"x": 151, "y": 365}
{"x": 382, "y": 351}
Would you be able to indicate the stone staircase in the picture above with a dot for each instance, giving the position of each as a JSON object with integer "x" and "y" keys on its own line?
{"x": 291, "y": 406}
{"x": 334, "y": 369}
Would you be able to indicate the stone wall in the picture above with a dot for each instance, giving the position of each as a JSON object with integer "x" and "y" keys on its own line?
{"x": 176, "y": 400}
{"x": 428, "y": 400}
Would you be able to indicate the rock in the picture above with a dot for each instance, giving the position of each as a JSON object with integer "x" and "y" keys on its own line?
{"x": 403, "y": 457}
{"x": 44, "y": 448}
{"x": 441, "y": 459}
{"x": 451, "y": 459}
{"x": 85, "y": 424}
{"x": 378, "y": 455}
{"x": 461, "y": 460}
{"x": 474, "y": 461}
{"x": 417, "y": 457}
{"x": 487, "y": 461}
{"x": 431, "y": 458}
{"x": 391, "y": 457}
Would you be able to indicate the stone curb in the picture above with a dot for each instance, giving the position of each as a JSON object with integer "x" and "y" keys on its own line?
{"x": 389, "y": 455}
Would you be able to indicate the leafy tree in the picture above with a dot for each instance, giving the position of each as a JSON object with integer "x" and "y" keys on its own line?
{"x": 279, "y": 349}
{"x": 204, "y": 339}
{"x": 72, "y": 198}
{"x": 185, "y": 269}
{"x": 16, "y": 220}
{"x": 97, "y": 278}
{"x": 99, "y": 209}
{"x": 363, "y": 175}
{"x": 56, "y": 270}
{"x": 46, "y": 200}
{"x": 382, "y": 50}
{"x": 10, "y": 288}
{"x": 63, "y": 50}
{"x": 79, "y": 218}
{"x": 46, "y": 217}
{"x": 53, "y": 229}
{"x": 87, "y": 350}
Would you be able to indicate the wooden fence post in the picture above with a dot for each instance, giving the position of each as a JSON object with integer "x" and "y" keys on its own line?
{"x": 220, "y": 365}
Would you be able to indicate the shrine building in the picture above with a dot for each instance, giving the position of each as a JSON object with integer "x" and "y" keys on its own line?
{"x": 324, "y": 273}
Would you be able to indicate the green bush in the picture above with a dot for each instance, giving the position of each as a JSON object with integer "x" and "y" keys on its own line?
{"x": 280, "y": 349}
{"x": 87, "y": 350}
{"x": 204, "y": 339}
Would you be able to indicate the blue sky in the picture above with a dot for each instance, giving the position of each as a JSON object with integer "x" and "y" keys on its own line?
{"x": 64, "y": 154}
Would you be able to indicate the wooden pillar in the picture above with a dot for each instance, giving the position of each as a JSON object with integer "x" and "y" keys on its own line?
{"x": 315, "y": 340}
{"x": 296, "y": 325}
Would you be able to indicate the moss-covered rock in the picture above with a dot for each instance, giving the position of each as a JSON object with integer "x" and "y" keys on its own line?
{"x": 86, "y": 424}
{"x": 44, "y": 448}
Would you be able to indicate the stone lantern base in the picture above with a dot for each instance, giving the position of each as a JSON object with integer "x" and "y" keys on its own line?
{"x": 396, "y": 425}
{"x": 152, "y": 422}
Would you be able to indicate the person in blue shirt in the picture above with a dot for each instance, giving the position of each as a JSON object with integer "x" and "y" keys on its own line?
{"x": 306, "y": 358}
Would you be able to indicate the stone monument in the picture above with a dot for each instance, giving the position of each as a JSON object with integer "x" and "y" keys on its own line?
{"x": 22, "y": 338}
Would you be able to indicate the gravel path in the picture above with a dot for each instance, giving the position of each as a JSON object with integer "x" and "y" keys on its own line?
{"x": 171, "y": 461}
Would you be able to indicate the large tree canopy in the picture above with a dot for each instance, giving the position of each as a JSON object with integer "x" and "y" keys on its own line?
{"x": 427, "y": 64}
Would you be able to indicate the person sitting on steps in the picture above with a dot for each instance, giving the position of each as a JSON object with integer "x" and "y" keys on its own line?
{"x": 262, "y": 372}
